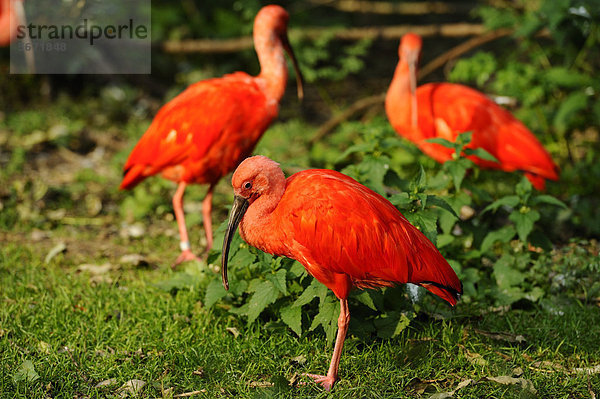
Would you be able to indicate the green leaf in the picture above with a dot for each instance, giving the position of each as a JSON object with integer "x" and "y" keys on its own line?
{"x": 440, "y": 202}
{"x": 420, "y": 181}
{"x": 505, "y": 234}
{"x": 564, "y": 77}
{"x": 364, "y": 297}
{"x": 214, "y": 292}
{"x": 524, "y": 222}
{"x": 568, "y": 110}
{"x": 265, "y": 294}
{"x": 440, "y": 141}
{"x": 311, "y": 292}
{"x": 329, "y": 311}
{"x": 392, "y": 323}
{"x": 297, "y": 269}
{"x": 509, "y": 200}
{"x": 480, "y": 153}
{"x": 505, "y": 275}
{"x": 524, "y": 189}
{"x": 548, "y": 199}
{"x": 401, "y": 200}
{"x": 426, "y": 222}
{"x": 292, "y": 317}
{"x": 242, "y": 258}
{"x": 457, "y": 170}
{"x": 26, "y": 372}
{"x": 279, "y": 280}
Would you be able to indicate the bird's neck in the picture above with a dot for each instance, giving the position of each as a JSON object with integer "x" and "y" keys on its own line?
{"x": 399, "y": 99}
{"x": 273, "y": 69}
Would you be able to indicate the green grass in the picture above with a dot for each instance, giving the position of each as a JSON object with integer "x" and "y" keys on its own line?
{"x": 78, "y": 331}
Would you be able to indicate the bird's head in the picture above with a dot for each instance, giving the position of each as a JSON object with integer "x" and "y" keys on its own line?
{"x": 410, "y": 48}
{"x": 254, "y": 178}
{"x": 273, "y": 21}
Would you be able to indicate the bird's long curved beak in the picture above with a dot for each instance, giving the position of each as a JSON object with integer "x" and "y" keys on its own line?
{"x": 238, "y": 209}
{"x": 412, "y": 71}
{"x": 299, "y": 80}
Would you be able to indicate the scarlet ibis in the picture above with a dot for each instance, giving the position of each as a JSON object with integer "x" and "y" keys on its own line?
{"x": 9, "y": 19}
{"x": 344, "y": 234}
{"x": 444, "y": 110}
{"x": 208, "y": 129}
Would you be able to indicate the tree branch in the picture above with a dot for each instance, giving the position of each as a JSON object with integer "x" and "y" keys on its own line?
{"x": 404, "y": 8}
{"x": 383, "y": 32}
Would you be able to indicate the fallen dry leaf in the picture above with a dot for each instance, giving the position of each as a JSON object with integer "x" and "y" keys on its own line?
{"x": 187, "y": 394}
{"x": 508, "y": 380}
{"x": 260, "y": 384}
{"x": 131, "y": 387}
{"x": 134, "y": 259}
{"x": 502, "y": 336}
{"x": 449, "y": 394}
{"x": 300, "y": 359}
{"x": 588, "y": 370}
{"x": 233, "y": 331}
{"x": 94, "y": 269}
{"x": 199, "y": 371}
{"x": 57, "y": 249}
{"x": 106, "y": 383}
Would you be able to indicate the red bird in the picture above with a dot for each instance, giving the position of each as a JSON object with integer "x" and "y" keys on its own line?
{"x": 344, "y": 234}
{"x": 444, "y": 110}
{"x": 9, "y": 19}
{"x": 207, "y": 130}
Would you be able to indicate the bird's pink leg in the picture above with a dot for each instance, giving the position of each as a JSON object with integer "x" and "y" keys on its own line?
{"x": 186, "y": 253}
{"x": 328, "y": 380}
{"x": 206, "y": 210}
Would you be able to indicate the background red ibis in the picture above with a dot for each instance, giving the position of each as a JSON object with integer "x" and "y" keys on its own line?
{"x": 204, "y": 132}
{"x": 445, "y": 110}
{"x": 9, "y": 19}
{"x": 344, "y": 234}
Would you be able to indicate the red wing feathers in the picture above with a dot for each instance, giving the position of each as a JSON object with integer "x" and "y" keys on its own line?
{"x": 201, "y": 123}
{"x": 448, "y": 109}
{"x": 352, "y": 230}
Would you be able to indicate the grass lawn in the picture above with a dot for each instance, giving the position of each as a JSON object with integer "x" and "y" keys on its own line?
{"x": 88, "y": 330}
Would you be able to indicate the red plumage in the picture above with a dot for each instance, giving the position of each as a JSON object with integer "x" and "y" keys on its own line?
{"x": 445, "y": 110}
{"x": 8, "y": 20}
{"x": 344, "y": 234}
{"x": 204, "y": 132}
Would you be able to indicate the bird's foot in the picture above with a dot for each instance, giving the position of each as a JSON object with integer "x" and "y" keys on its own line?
{"x": 325, "y": 381}
{"x": 185, "y": 256}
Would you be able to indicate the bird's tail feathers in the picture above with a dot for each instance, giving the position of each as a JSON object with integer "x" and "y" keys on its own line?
{"x": 133, "y": 175}
{"x": 448, "y": 294}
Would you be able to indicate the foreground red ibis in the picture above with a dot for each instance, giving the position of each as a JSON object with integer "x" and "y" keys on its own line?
{"x": 443, "y": 110}
{"x": 207, "y": 130}
{"x": 344, "y": 234}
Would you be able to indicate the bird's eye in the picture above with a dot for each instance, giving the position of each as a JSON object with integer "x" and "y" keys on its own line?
{"x": 247, "y": 185}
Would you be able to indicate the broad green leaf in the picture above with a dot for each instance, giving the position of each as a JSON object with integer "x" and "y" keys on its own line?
{"x": 329, "y": 311}
{"x": 401, "y": 200}
{"x": 505, "y": 234}
{"x": 562, "y": 76}
{"x": 524, "y": 222}
{"x": 311, "y": 292}
{"x": 480, "y": 153}
{"x": 242, "y": 258}
{"x": 420, "y": 180}
{"x": 440, "y": 202}
{"x": 364, "y": 297}
{"x": 292, "y": 317}
{"x": 26, "y": 372}
{"x": 524, "y": 189}
{"x": 426, "y": 222}
{"x": 265, "y": 294}
{"x": 568, "y": 110}
{"x": 548, "y": 199}
{"x": 214, "y": 292}
{"x": 505, "y": 275}
{"x": 392, "y": 323}
{"x": 297, "y": 269}
{"x": 457, "y": 170}
{"x": 440, "y": 141}
{"x": 509, "y": 200}
{"x": 278, "y": 279}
